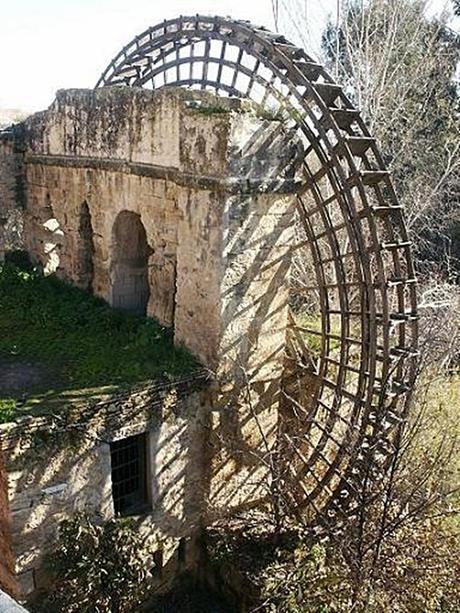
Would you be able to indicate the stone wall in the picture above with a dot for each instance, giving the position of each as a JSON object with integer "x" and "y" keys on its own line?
{"x": 96, "y": 150}
{"x": 206, "y": 185}
{"x": 61, "y": 465}
{"x": 11, "y": 193}
{"x": 205, "y": 463}
{"x": 213, "y": 186}
{"x": 7, "y": 561}
{"x": 106, "y": 193}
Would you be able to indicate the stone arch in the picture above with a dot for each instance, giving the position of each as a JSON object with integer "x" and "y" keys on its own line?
{"x": 85, "y": 249}
{"x": 129, "y": 266}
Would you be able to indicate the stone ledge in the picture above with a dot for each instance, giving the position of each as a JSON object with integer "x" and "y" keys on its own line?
{"x": 113, "y": 409}
{"x": 232, "y": 185}
{"x": 8, "y": 605}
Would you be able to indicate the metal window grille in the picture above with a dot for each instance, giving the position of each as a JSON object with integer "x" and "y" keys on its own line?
{"x": 129, "y": 486}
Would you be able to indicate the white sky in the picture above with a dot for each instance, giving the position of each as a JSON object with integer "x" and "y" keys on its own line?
{"x": 46, "y": 45}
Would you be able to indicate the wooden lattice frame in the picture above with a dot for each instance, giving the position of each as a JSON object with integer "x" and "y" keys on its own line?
{"x": 353, "y": 229}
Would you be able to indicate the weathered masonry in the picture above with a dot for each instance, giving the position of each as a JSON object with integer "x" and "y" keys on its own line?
{"x": 158, "y": 207}
{"x": 218, "y": 180}
{"x": 163, "y": 204}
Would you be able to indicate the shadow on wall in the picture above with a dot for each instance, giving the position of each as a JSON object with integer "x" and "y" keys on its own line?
{"x": 205, "y": 461}
{"x": 55, "y": 245}
{"x": 243, "y": 442}
{"x": 50, "y": 484}
{"x": 85, "y": 250}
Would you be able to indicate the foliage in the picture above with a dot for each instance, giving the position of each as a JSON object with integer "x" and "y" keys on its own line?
{"x": 77, "y": 338}
{"x": 400, "y": 553}
{"x": 431, "y": 459}
{"x": 403, "y": 550}
{"x": 207, "y": 110}
{"x": 20, "y": 259}
{"x": 439, "y": 307}
{"x": 211, "y": 110}
{"x": 399, "y": 67}
{"x": 189, "y": 595}
{"x": 292, "y": 573}
{"x": 314, "y": 341}
{"x": 97, "y": 568}
{"x": 304, "y": 583}
{"x": 7, "y": 409}
{"x": 405, "y": 554}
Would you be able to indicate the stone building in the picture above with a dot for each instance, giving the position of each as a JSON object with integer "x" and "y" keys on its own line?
{"x": 179, "y": 206}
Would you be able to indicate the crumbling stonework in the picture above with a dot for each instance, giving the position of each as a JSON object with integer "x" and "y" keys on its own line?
{"x": 195, "y": 181}
{"x": 178, "y": 205}
{"x": 7, "y": 559}
{"x": 60, "y": 465}
{"x": 11, "y": 193}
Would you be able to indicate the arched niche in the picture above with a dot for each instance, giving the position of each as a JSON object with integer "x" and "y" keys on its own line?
{"x": 129, "y": 267}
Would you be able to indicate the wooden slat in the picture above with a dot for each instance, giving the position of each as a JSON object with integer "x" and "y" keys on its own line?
{"x": 329, "y": 92}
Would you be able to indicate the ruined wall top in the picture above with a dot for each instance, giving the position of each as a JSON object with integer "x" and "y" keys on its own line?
{"x": 174, "y": 204}
{"x": 237, "y": 148}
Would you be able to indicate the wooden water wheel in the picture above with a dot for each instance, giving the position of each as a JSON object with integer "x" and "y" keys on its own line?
{"x": 353, "y": 333}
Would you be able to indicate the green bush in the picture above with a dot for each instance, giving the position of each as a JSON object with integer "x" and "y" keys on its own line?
{"x": 306, "y": 581}
{"x": 97, "y": 568}
{"x": 19, "y": 259}
{"x": 287, "y": 573}
{"x": 7, "y": 409}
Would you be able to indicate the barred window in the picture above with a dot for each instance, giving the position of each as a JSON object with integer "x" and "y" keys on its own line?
{"x": 129, "y": 483}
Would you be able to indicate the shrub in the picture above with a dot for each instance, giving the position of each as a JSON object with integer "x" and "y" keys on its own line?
{"x": 98, "y": 568}
{"x": 7, "y": 409}
{"x": 20, "y": 259}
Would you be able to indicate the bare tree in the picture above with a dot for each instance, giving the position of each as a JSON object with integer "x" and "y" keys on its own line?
{"x": 399, "y": 67}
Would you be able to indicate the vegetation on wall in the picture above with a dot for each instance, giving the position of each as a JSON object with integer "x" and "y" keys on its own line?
{"x": 76, "y": 340}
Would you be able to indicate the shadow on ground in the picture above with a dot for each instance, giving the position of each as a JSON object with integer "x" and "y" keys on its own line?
{"x": 189, "y": 597}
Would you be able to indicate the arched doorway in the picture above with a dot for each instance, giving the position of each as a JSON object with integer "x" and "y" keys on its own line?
{"x": 130, "y": 252}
